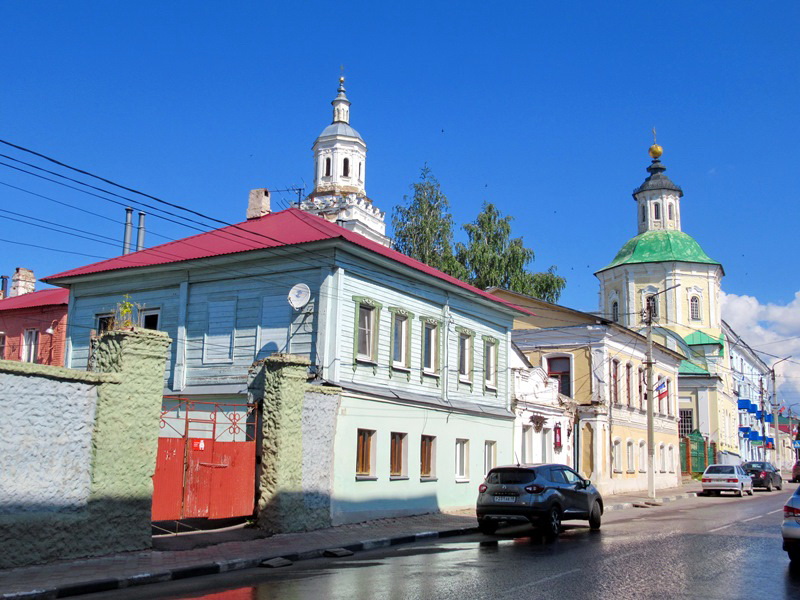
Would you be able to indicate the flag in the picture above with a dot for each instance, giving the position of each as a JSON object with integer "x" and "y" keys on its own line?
{"x": 661, "y": 389}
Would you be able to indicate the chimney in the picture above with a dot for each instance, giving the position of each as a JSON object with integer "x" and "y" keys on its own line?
{"x": 3, "y": 286}
{"x": 22, "y": 282}
{"x": 126, "y": 240}
{"x": 140, "y": 235}
{"x": 258, "y": 205}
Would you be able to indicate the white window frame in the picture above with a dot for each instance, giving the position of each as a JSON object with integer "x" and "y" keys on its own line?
{"x": 616, "y": 456}
{"x": 642, "y": 457}
{"x": 694, "y": 303}
{"x": 400, "y": 324}
{"x": 465, "y": 357}
{"x": 662, "y": 458}
{"x": 546, "y": 365}
{"x": 430, "y": 343}
{"x": 28, "y": 345}
{"x": 630, "y": 454}
{"x": 99, "y": 317}
{"x": 148, "y": 312}
{"x": 462, "y": 460}
{"x": 527, "y": 444}
{"x": 489, "y": 456}
{"x": 367, "y": 335}
{"x": 490, "y": 351}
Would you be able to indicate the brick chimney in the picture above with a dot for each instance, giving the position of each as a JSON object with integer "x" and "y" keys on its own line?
{"x": 258, "y": 204}
{"x": 22, "y": 282}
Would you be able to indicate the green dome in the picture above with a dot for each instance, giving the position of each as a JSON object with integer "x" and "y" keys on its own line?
{"x": 660, "y": 246}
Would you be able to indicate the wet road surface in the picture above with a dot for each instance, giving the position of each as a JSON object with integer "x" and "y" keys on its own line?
{"x": 700, "y": 548}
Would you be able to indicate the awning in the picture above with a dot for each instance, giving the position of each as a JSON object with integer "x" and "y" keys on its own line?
{"x": 768, "y": 418}
{"x": 744, "y": 404}
{"x": 753, "y": 408}
{"x": 755, "y": 436}
{"x": 745, "y": 430}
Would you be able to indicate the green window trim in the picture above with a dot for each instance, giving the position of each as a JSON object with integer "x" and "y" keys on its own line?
{"x": 487, "y": 387}
{"x": 438, "y": 358}
{"x": 376, "y": 306}
{"x": 393, "y": 311}
{"x": 471, "y": 358}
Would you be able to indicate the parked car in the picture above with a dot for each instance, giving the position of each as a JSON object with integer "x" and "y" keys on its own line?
{"x": 790, "y": 530}
{"x": 542, "y": 494}
{"x": 731, "y": 478}
{"x": 763, "y": 474}
{"x": 796, "y": 472}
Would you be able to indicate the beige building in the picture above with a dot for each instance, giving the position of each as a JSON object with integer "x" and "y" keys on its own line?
{"x": 600, "y": 365}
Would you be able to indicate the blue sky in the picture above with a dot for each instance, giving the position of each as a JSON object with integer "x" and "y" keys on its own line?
{"x": 543, "y": 109}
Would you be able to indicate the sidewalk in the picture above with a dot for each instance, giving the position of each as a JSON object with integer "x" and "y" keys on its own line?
{"x": 83, "y": 576}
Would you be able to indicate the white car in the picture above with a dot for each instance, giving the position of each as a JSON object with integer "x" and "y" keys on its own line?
{"x": 791, "y": 527}
{"x": 726, "y": 478}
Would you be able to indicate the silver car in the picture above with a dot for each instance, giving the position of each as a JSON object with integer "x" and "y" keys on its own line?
{"x": 542, "y": 494}
{"x": 791, "y": 527}
{"x": 726, "y": 478}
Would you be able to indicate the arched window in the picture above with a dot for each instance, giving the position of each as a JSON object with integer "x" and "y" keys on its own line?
{"x": 670, "y": 212}
{"x": 615, "y": 311}
{"x": 346, "y": 168}
{"x": 360, "y": 171}
{"x": 657, "y": 211}
{"x": 327, "y": 167}
{"x": 671, "y": 462}
{"x": 631, "y": 466}
{"x": 651, "y": 304}
{"x": 559, "y": 367}
{"x": 642, "y": 457}
{"x": 616, "y": 457}
{"x": 662, "y": 458}
{"x": 694, "y": 308}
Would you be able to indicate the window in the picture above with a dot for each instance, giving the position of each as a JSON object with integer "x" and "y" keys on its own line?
{"x": 651, "y": 305}
{"x": 615, "y": 311}
{"x": 366, "y": 331}
{"x": 686, "y": 425}
{"x": 615, "y": 381}
{"x": 465, "y": 357}
{"x": 462, "y": 459}
{"x": 327, "y": 167}
{"x": 427, "y": 448}
{"x": 490, "y": 363}
{"x": 105, "y": 323}
{"x": 631, "y": 466}
{"x": 2, "y": 347}
{"x": 489, "y": 456}
{"x": 559, "y": 367}
{"x": 149, "y": 319}
{"x": 616, "y": 457}
{"x": 694, "y": 308}
{"x": 364, "y": 451}
{"x": 662, "y": 458}
{"x": 400, "y": 340}
{"x": 671, "y": 459}
{"x": 670, "y": 211}
{"x": 644, "y": 213}
{"x": 629, "y": 384}
{"x": 360, "y": 171}
{"x": 430, "y": 347}
{"x": 642, "y": 457}
{"x": 218, "y": 341}
{"x": 657, "y": 211}
{"x": 30, "y": 346}
{"x": 527, "y": 444}
{"x": 397, "y": 467}
{"x": 346, "y": 168}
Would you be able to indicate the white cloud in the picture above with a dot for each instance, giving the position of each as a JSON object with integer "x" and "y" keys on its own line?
{"x": 772, "y": 328}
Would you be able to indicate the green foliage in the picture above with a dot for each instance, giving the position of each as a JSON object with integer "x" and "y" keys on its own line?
{"x": 424, "y": 226}
{"x": 493, "y": 258}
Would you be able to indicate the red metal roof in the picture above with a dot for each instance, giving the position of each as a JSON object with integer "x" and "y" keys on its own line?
{"x": 285, "y": 228}
{"x": 34, "y": 299}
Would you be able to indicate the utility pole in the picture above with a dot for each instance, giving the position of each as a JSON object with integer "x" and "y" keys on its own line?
{"x": 649, "y": 305}
{"x": 775, "y": 416}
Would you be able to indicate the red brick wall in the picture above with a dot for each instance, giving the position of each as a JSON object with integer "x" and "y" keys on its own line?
{"x": 51, "y": 347}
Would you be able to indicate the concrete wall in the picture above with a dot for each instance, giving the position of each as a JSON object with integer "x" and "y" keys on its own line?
{"x": 103, "y": 503}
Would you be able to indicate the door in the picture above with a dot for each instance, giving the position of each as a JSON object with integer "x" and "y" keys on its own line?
{"x": 579, "y": 499}
{"x": 205, "y": 465}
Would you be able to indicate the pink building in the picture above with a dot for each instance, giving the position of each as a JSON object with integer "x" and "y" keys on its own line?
{"x": 33, "y": 325}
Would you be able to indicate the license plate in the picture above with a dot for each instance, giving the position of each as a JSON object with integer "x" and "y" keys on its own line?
{"x": 505, "y": 498}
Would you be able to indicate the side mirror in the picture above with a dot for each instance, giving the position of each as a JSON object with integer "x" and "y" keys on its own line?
{"x": 587, "y": 483}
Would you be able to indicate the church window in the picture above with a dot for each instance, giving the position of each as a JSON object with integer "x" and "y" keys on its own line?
{"x": 657, "y": 211}
{"x": 360, "y": 176}
{"x": 694, "y": 308}
{"x": 670, "y": 212}
{"x": 652, "y": 305}
{"x": 615, "y": 311}
{"x": 644, "y": 213}
{"x": 346, "y": 168}
{"x": 327, "y": 167}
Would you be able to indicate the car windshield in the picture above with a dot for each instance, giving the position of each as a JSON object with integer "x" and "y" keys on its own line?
{"x": 724, "y": 469}
{"x": 754, "y": 465}
{"x": 511, "y": 476}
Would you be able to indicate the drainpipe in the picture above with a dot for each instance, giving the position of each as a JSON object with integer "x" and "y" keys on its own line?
{"x": 140, "y": 236}
{"x": 126, "y": 240}
{"x": 445, "y": 364}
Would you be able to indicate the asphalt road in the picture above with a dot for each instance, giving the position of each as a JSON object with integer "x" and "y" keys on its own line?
{"x": 705, "y": 547}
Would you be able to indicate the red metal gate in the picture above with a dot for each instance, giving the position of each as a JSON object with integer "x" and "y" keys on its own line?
{"x": 206, "y": 461}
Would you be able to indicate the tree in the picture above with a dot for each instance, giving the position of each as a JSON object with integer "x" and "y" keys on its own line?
{"x": 423, "y": 228}
{"x": 493, "y": 259}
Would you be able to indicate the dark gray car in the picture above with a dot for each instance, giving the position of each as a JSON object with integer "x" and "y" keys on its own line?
{"x": 543, "y": 495}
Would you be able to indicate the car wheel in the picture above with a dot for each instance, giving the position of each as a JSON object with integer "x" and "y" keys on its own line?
{"x": 794, "y": 555}
{"x": 750, "y": 491}
{"x": 740, "y": 491}
{"x": 552, "y": 526}
{"x": 779, "y": 487}
{"x": 595, "y": 517}
{"x": 487, "y": 527}
{"x": 769, "y": 486}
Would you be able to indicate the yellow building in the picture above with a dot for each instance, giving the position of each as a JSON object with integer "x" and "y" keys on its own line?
{"x": 667, "y": 268}
{"x": 599, "y": 364}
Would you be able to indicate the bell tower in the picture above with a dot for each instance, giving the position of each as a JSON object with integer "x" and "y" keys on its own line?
{"x": 340, "y": 167}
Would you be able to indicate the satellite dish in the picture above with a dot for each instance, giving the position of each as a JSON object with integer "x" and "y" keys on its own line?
{"x": 299, "y": 296}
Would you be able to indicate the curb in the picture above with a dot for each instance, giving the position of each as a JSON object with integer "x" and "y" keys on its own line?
{"x": 658, "y": 501}
{"x": 213, "y": 568}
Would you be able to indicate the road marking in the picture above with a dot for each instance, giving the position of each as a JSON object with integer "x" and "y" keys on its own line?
{"x": 542, "y": 580}
{"x": 753, "y": 518}
{"x": 775, "y": 511}
{"x": 720, "y": 528}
